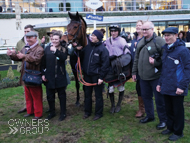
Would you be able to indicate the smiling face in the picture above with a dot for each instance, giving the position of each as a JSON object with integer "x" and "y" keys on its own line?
{"x": 147, "y": 30}
{"x": 94, "y": 39}
{"x": 56, "y": 40}
{"x": 170, "y": 38}
{"x": 31, "y": 40}
{"x": 114, "y": 33}
{"x": 139, "y": 27}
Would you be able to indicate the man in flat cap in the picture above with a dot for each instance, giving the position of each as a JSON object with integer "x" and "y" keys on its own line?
{"x": 31, "y": 56}
{"x": 20, "y": 44}
{"x": 174, "y": 81}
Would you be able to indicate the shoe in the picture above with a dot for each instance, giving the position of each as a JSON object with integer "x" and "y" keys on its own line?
{"x": 37, "y": 118}
{"x": 96, "y": 118}
{"x": 166, "y": 132}
{"x": 28, "y": 115}
{"x": 161, "y": 125}
{"x": 22, "y": 110}
{"x": 146, "y": 120}
{"x": 62, "y": 117}
{"x": 86, "y": 116}
{"x": 50, "y": 116}
{"x": 174, "y": 137}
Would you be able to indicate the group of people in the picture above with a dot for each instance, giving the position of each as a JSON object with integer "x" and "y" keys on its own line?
{"x": 160, "y": 67}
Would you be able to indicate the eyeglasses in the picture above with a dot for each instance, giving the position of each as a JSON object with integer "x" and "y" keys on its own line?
{"x": 146, "y": 29}
{"x": 117, "y": 26}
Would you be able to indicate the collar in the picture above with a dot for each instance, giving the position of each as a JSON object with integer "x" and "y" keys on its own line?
{"x": 169, "y": 46}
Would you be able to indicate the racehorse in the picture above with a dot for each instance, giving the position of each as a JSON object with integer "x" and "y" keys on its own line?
{"x": 76, "y": 32}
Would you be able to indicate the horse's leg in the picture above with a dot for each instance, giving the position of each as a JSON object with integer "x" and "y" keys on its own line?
{"x": 73, "y": 61}
{"x": 77, "y": 85}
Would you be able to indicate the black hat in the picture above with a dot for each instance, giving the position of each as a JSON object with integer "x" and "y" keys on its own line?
{"x": 48, "y": 33}
{"x": 173, "y": 30}
{"x": 98, "y": 34}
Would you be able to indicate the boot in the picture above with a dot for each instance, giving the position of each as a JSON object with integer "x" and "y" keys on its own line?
{"x": 118, "y": 107}
{"x": 141, "y": 111}
{"x": 51, "y": 110}
{"x": 112, "y": 102}
{"x": 62, "y": 101}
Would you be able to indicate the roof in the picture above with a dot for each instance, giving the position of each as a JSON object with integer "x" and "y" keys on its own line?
{"x": 120, "y": 19}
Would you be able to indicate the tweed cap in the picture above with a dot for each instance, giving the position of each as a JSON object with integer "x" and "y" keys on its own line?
{"x": 31, "y": 33}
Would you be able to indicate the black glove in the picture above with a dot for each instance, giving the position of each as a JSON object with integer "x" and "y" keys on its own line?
{"x": 112, "y": 57}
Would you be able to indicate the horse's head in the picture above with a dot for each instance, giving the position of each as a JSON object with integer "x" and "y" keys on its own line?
{"x": 76, "y": 30}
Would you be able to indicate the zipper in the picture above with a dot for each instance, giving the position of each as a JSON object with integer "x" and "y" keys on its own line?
{"x": 89, "y": 59}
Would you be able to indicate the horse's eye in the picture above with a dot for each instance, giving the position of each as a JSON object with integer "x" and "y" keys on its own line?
{"x": 75, "y": 27}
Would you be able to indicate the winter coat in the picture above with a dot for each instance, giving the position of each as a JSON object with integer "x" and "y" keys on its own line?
{"x": 32, "y": 57}
{"x": 95, "y": 59}
{"x": 144, "y": 50}
{"x": 53, "y": 67}
{"x": 175, "y": 69}
{"x": 20, "y": 44}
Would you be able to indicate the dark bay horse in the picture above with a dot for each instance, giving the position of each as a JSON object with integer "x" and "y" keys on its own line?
{"x": 76, "y": 32}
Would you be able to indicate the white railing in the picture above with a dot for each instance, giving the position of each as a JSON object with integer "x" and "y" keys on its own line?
{"x": 58, "y": 6}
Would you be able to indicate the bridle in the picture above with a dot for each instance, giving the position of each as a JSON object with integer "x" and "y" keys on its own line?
{"x": 76, "y": 34}
{"x": 78, "y": 60}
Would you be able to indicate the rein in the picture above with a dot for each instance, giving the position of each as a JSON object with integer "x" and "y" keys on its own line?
{"x": 79, "y": 70}
{"x": 78, "y": 60}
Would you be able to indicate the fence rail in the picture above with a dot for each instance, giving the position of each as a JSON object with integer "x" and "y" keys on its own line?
{"x": 66, "y": 5}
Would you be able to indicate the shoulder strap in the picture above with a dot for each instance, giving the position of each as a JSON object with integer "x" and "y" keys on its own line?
{"x": 110, "y": 40}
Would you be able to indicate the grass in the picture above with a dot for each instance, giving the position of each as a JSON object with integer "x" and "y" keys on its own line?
{"x": 4, "y": 73}
{"x": 119, "y": 127}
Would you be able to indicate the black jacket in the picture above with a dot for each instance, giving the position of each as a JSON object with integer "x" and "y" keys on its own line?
{"x": 95, "y": 59}
{"x": 188, "y": 36}
{"x": 53, "y": 67}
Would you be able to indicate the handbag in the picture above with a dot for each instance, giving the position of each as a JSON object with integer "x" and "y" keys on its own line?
{"x": 31, "y": 77}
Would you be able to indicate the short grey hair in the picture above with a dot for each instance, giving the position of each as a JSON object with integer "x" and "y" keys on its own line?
{"x": 150, "y": 23}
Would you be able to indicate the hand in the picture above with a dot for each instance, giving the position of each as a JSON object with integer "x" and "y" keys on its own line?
{"x": 158, "y": 88}
{"x": 135, "y": 44}
{"x": 74, "y": 44}
{"x": 44, "y": 78}
{"x": 134, "y": 78}
{"x": 179, "y": 91}
{"x": 151, "y": 60}
{"x": 43, "y": 40}
{"x": 52, "y": 48}
{"x": 100, "y": 81}
{"x": 20, "y": 55}
{"x": 79, "y": 47}
{"x": 10, "y": 52}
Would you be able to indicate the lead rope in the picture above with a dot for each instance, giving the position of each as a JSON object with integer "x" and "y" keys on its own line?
{"x": 79, "y": 70}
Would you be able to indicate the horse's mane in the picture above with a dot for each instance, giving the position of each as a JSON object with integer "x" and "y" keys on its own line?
{"x": 83, "y": 20}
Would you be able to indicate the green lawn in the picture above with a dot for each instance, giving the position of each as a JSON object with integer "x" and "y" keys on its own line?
{"x": 119, "y": 127}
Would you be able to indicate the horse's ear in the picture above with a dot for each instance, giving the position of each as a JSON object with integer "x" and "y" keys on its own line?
{"x": 77, "y": 14}
{"x": 70, "y": 15}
